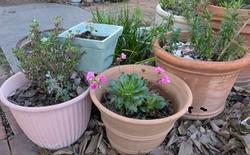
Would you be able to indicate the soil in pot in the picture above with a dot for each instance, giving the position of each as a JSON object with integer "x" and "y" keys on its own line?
{"x": 174, "y": 11}
{"x": 89, "y": 35}
{"x": 31, "y": 96}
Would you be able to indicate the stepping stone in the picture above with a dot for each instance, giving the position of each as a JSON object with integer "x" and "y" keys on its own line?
{"x": 4, "y": 148}
{"x": 15, "y": 21}
{"x": 2, "y": 130}
{"x": 21, "y": 145}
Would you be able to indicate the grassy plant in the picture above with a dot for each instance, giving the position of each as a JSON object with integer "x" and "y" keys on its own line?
{"x": 234, "y": 4}
{"x": 168, "y": 4}
{"x": 135, "y": 41}
{"x": 202, "y": 36}
{"x": 224, "y": 45}
{"x": 50, "y": 63}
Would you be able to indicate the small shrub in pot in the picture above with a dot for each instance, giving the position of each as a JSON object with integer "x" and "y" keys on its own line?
{"x": 49, "y": 90}
{"x": 218, "y": 9}
{"x": 208, "y": 61}
{"x": 139, "y": 105}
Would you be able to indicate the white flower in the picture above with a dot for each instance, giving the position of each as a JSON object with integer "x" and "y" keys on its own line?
{"x": 44, "y": 39}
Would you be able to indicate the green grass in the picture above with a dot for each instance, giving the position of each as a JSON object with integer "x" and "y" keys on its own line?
{"x": 2, "y": 58}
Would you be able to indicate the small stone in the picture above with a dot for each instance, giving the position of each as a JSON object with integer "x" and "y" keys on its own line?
{"x": 77, "y": 81}
{"x": 177, "y": 53}
{"x": 79, "y": 90}
{"x": 73, "y": 76}
{"x": 202, "y": 130}
{"x": 188, "y": 57}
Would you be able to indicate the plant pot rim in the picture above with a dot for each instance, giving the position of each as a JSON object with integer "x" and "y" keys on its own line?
{"x": 211, "y": 6}
{"x": 114, "y": 115}
{"x": 119, "y": 28}
{"x": 203, "y": 66}
{"x": 11, "y": 105}
{"x": 27, "y": 38}
{"x": 177, "y": 18}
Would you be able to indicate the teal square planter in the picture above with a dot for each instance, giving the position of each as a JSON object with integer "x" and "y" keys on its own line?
{"x": 98, "y": 55}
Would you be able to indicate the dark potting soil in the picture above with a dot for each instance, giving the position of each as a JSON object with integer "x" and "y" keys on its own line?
{"x": 173, "y": 11}
{"x": 31, "y": 96}
{"x": 88, "y": 35}
{"x": 157, "y": 114}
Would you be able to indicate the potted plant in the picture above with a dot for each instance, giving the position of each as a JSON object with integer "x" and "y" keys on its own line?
{"x": 98, "y": 42}
{"x": 49, "y": 99}
{"x": 139, "y": 105}
{"x": 208, "y": 61}
{"x": 76, "y": 2}
{"x": 218, "y": 9}
{"x": 179, "y": 10}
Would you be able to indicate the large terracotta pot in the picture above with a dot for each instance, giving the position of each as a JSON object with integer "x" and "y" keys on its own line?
{"x": 179, "y": 21}
{"x": 210, "y": 82}
{"x": 134, "y": 136}
{"x": 218, "y": 12}
{"x": 51, "y": 127}
{"x": 243, "y": 79}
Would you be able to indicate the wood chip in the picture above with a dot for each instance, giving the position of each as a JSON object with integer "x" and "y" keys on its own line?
{"x": 186, "y": 148}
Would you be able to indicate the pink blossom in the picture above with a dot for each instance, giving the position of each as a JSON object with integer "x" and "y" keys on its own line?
{"x": 90, "y": 76}
{"x": 118, "y": 59}
{"x": 165, "y": 79}
{"x": 103, "y": 79}
{"x": 159, "y": 70}
{"x": 93, "y": 85}
{"x": 123, "y": 56}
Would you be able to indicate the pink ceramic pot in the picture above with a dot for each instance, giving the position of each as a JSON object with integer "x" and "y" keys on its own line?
{"x": 51, "y": 127}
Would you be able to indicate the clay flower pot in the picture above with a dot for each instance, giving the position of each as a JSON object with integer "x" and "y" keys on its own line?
{"x": 179, "y": 21}
{"x": 218, "y": 12}
{"x": 210, "y": 82}
{"x": 134, "y": 136}
{"x": 243, "y": 79}
{"x": 51, "y": 127}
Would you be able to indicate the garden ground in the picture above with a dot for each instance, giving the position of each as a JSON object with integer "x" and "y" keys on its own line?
{"x": 12, "y": 140}
{"x": 222, "y": 134}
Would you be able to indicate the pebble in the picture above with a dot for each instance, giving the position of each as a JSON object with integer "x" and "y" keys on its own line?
{"x": 183, "y": 50}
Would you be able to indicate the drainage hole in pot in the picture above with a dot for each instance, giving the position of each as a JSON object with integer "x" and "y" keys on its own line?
{"x": 203, "y": 109}
{"x": 190, "y": 109}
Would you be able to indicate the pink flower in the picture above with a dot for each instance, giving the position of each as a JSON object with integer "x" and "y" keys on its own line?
{"x": 159, "y": 70}
{"x": 103, "y": 79}
{"x": 93, "y": 85}
{"x": 118, "y": 59}
{"x": 123, "y": 56}
{"x": 165, "y": 79}
{"x": 90, "y": 76}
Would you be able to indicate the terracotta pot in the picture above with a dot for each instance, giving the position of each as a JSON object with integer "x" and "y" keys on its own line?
{"x": 218, "y": 12}
{"x": 134, "y": 136}
{"x": 51, "y": 127}
{"x": 243, "y": 79}
{"x": 179, "y": 21}
{"x": 210, "y": 82}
